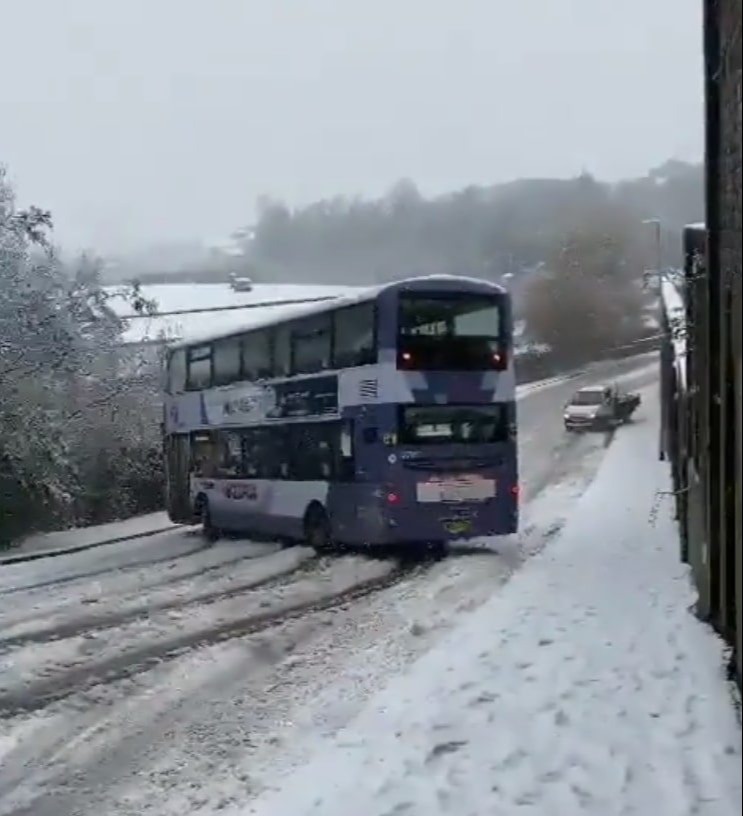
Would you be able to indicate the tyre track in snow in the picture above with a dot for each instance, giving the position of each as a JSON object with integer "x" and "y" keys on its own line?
{"x": 113, "y": 594}
{"x": 119, "y": 568}
{"x": 37, "y": 695}
{"x": 109, "y": 620}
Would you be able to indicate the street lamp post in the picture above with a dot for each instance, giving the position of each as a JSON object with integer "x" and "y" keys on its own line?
{"x": 655, "y": 223}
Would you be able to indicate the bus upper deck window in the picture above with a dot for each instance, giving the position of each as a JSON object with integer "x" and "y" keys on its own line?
{"x": 311, "y": 344}
{"x": 354, "y": 335}
{"x": 176, "y": 371}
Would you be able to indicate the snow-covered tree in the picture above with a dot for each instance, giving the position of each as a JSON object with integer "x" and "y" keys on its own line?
{"x": 63, "y": 401}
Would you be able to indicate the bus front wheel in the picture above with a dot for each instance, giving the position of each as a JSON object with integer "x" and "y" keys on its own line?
{"x": 317, "y": 529}
{"x": 211, "y": 533}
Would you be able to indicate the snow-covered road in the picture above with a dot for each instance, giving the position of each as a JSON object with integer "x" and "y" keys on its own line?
{"x": 585, "y": 686}
{"x": 156, "y": 676}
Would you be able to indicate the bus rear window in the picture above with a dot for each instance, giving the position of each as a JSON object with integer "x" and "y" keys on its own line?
{"x": 453, "y": 424}
{"x": 450, "y": 331}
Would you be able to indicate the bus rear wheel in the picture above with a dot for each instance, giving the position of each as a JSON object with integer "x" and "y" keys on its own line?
{"x": 211, "y": 533}
{"x": 317, "y": 530}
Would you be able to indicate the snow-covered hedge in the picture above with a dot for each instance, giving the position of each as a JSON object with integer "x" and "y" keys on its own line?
{"x": 78, "y": 442}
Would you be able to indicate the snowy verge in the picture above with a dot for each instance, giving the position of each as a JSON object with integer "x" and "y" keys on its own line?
{"x": 584, "y": 686}
{"x": 594, "y": 370}
{"x": 78, "y": 539}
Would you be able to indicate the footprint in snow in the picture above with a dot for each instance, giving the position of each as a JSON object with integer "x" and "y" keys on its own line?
{"x": 445, "y": 748}
{"x": 484, "y": 698}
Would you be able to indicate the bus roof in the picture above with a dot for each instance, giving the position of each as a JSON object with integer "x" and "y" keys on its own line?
{"x": 294, "y": 311}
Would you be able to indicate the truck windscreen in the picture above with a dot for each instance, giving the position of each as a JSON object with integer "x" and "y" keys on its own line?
{"x": 587, "y": 398}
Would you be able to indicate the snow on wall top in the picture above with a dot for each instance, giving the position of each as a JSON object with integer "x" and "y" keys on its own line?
{"x": 675, "y": 310}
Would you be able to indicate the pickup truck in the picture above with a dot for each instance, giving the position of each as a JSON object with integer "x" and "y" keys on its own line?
{"x": 599, "y": 408}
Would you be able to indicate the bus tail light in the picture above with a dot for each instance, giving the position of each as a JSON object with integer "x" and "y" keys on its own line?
{"x": 499, "y": 360}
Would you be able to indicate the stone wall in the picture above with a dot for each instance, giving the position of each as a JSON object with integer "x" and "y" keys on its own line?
{"x": 722, "y": 45}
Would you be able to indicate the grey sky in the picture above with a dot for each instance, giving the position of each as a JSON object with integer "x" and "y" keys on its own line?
{"x": 142, "y": 121}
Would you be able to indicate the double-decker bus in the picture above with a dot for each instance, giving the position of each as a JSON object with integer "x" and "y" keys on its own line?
{"x": 383, "y": 418}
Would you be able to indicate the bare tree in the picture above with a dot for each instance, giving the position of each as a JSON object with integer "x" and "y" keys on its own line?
{"x": 590, "y": 299}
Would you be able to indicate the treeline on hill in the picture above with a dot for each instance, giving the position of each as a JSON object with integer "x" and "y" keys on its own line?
{"x": 483, "y": 231}
{"x": 78, "y": 417}
{"x": 573, "y": 251}
{"x": 575, "y": 247}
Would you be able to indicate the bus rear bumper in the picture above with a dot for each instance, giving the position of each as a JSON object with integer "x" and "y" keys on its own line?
{"x": 413, "y": 527}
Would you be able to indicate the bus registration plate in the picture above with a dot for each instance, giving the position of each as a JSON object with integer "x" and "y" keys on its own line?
{"x": 457, "y": 526}
{"x": 460, "y": 488}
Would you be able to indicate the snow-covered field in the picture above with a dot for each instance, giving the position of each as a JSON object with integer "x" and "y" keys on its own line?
{"x": 177, "y": 297}
{"x": 158, "y": 676}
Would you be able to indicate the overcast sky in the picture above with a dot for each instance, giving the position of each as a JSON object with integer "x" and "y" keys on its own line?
{"x": 141, "y": 121}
